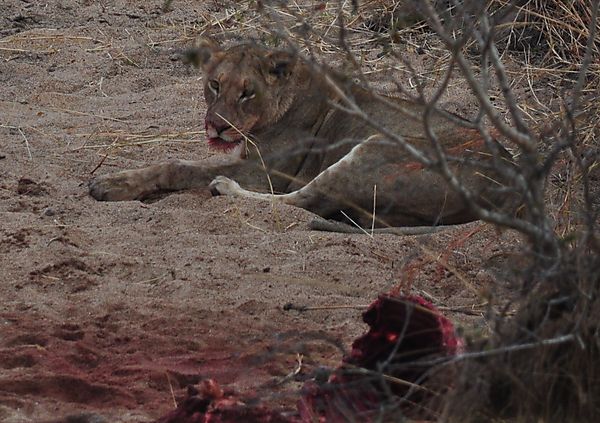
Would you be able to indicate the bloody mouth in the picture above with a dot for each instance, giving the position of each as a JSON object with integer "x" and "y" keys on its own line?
{"x": 222, "y": 145}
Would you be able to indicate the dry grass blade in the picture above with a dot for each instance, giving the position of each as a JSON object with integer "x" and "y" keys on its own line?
{"x": 26, "y": 143}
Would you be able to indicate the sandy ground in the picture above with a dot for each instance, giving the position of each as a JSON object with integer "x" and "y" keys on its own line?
{"x": 113, "y": 308}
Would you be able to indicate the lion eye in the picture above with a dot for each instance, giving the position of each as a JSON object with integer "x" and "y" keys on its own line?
{"x": 214, "y": 86}
{"x": 246, "y": 95}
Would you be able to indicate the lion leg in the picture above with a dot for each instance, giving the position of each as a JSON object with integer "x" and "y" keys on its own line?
{"x": 324, "y": 195}
{"x": 172, "y": 175}
{"x": 222, "y": 185}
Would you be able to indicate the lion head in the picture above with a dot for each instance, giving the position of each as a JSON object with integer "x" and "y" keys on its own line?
{"x": 246, "y": 89}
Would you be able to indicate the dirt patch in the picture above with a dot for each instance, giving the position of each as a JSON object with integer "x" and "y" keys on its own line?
{"x": 114, "y": 308}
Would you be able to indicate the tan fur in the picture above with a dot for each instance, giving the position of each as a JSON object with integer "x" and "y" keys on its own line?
{"x": 324, "y": 159}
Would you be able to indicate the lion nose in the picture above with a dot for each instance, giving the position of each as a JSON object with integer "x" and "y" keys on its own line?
{"x": 219, "y": 127}
{"x": 222, "y": 128}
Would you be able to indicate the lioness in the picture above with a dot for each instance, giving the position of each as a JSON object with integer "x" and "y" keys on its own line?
{"x": 281, "y": 126}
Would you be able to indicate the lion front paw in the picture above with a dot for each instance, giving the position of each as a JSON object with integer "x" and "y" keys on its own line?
{"x": 115, "y": 187}
{"x": 222, "y": 185}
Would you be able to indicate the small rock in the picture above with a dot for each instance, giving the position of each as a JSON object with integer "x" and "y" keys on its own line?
{"x": 49, "y": 211}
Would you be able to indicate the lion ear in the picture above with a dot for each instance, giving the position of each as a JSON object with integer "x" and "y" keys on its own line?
{"x": 205, "y": 51}
{"x": 280, "y": 64}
